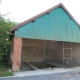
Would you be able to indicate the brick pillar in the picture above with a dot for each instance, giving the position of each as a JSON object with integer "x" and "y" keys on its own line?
{"x": 16, "y": 54}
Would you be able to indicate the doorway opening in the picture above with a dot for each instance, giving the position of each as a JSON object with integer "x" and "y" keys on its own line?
{"x": 44, "y": 54}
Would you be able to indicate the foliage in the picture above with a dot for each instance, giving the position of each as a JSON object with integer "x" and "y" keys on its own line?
{"x": 5, "y": 71}
{"x": 5, "y": 25}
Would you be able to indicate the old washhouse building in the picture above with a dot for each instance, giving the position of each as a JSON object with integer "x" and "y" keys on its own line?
{"x": 51, "y": 37}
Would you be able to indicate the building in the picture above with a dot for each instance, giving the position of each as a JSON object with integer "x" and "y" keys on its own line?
{"x": 51, "y": 37}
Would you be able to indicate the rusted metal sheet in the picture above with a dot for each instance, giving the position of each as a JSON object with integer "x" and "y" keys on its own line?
{"x": 57, "y": 25}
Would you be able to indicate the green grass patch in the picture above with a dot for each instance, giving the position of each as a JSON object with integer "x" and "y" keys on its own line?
{"x": 5, "y": 70}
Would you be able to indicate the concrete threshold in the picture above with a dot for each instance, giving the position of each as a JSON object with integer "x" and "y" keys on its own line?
{"x": 42, "y": 71}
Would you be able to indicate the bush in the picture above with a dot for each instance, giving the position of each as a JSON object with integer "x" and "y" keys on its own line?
{"x": 5, "y": 70}
{"x": 5, "y": 25}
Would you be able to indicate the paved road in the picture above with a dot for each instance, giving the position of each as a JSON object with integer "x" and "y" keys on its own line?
{"x": 74, "y": 75}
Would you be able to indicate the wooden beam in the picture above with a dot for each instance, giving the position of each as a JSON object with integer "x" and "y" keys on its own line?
{"x": 55, "y": 64}
{"x": 32, "y": 66}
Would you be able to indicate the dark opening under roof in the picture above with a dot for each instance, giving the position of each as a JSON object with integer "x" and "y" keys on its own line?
{"x": 45, "y": 12}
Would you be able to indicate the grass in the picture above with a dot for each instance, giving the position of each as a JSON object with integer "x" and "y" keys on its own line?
{"x": 5, "y": 70}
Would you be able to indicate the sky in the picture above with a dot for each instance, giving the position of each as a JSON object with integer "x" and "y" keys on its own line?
{"x": 21, "y": 10}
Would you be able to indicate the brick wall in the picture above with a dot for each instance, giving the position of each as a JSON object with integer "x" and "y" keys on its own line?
{"x": 16, "y": 54}
{"x": 58, "y": 54}
{"x": 76, "y": 54}
{"x": 50, "y": 48}
{"x": 63, "y": 48}
{"x": 33, "y": 51}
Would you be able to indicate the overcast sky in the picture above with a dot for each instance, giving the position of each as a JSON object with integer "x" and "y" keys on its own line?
{"x": 21, "y": 10}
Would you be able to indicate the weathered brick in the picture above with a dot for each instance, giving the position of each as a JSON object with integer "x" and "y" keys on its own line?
{"x": 16, "y": 54}
{"x": 33, "y": 51}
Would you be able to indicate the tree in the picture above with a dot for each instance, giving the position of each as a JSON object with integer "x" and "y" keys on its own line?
{"x": 5, "y": 25}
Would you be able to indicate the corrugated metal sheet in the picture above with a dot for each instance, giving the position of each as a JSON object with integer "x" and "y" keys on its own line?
{"x": 56, "y": 25}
